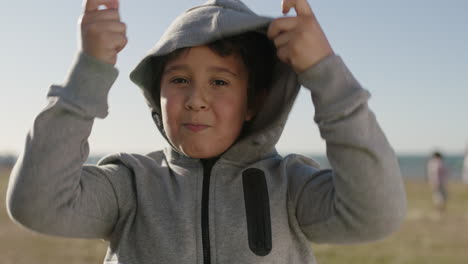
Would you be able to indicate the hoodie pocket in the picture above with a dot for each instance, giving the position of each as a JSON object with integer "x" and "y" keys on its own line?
{"x": 257, "y": 206}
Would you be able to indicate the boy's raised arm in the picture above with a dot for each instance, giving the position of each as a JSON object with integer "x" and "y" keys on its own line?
{"x": 362, "y": 198}
{"x": 50, "y": 190}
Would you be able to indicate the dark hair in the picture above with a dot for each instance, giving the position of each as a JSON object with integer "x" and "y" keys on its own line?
{"x": 257, "y": 53}
{"x": 437, "y": 154}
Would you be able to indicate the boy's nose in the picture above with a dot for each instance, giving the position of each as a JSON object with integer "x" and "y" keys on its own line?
{"x": 196, "y": 100}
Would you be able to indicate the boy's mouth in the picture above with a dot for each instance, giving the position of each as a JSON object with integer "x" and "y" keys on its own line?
{"x": 195, "y": 127}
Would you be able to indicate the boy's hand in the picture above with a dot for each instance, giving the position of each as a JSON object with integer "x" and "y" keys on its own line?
{"x": 299, "y": 40}
{"x": 103, "y": 35}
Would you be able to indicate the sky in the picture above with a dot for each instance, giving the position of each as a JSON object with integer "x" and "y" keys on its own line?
{"x": 411, "y": 55}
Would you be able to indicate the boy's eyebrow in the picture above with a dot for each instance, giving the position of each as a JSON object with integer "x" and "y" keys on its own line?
{"x": 222, "y": 69}
{"x": 181, "y": 67}
{"x": 177, "y": 67}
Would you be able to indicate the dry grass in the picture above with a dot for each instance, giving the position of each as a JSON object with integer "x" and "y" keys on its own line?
{"x": 425, "y": 237}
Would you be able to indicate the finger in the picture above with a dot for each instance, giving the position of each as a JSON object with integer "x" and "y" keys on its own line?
{"x": 116, "y": 42}
{"x": 93, "y": 5}
{"x": 283, "y": 39}
{"x": 107, "y": 26}
{"x": 110, "y": 14}
{"x": 121, "y": 43}
{"x": 281, "y": 25}
{"x": 302, "y": 7}
{"x": 283, "y": 54}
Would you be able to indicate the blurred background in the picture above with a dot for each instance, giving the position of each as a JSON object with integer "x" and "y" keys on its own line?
{"x": 410, "y": 55}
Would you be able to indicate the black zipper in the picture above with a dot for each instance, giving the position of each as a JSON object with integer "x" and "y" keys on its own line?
{"x": 207, "y": 165}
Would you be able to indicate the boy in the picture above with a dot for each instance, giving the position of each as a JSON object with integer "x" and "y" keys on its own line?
{"x": 437, "y": 174}
{"x": 220, "y": 93}
{"x": 465, "y": 167}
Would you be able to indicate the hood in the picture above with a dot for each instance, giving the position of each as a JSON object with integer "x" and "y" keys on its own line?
{"x": 201, "y": 25}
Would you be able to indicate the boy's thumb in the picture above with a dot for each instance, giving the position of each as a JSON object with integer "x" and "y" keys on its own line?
{"x": 302, "y": 7}
{"x": 93, "y": 5}
{"x": 114, "y": 4}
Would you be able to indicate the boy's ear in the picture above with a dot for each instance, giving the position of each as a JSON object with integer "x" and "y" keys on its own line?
{"x": 250, "y": 114}
{"x": 255, "y": 108}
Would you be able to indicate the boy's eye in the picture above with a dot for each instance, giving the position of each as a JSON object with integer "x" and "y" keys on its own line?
{"x": 219, "y": 82}
{"x": 179, "y": 80}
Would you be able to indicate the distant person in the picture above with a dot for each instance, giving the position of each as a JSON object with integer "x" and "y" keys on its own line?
{"x": 437, "y": 174}
{"x": 220, "y": 85}
{"x": 465, "y": 167}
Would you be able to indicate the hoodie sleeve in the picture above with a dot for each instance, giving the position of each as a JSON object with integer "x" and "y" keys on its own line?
{"x": 50, "y": 190}
{"x": 362, "y": 198}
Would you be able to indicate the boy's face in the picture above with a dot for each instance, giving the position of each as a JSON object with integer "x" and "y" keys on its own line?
{"x": 204, "y": 101}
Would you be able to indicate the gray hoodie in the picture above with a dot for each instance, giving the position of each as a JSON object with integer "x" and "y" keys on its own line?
{"x": 249, "y": 206}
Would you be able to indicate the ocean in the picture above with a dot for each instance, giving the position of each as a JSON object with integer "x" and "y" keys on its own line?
{"x": 412, "y": 166}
